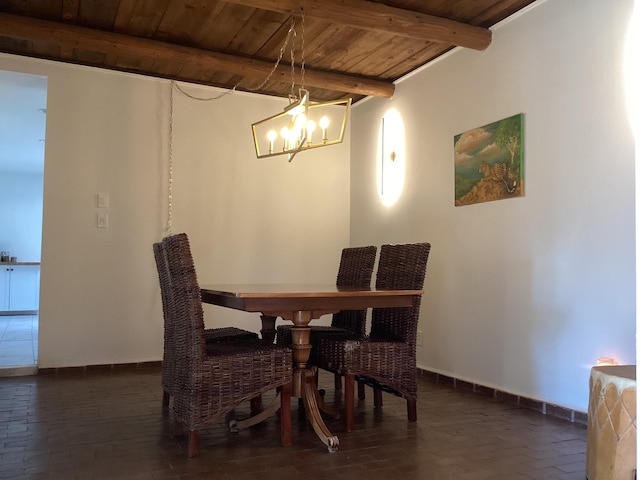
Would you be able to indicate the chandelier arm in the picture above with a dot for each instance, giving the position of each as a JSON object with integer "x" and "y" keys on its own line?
{"x": 300, "y": 147}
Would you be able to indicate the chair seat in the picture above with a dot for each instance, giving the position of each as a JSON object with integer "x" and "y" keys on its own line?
{"x": 227, "y": 375}
{"x": 229, "y": 334}
{"x": 284, "y": 338}
{"x": 382, "y": 360}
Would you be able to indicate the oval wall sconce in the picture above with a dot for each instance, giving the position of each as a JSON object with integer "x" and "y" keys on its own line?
{"x": 631, "y": 70}
{"x": 391, "y": 157}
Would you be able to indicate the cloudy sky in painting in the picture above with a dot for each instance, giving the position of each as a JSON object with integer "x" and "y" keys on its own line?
{"x": 475, "y": 143}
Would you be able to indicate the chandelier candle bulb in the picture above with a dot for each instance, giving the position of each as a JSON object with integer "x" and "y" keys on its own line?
{"x": 324, "y": 124}
{"x": 284, "y": 133}
{"x": 311, "y": 126}
{"x": 271, "y": 136}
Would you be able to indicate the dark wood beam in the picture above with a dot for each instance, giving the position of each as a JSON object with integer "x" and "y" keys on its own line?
{"x": 73, "y": 36}
{"x": 70, "y": 9}
{"x": 380, "y": 17}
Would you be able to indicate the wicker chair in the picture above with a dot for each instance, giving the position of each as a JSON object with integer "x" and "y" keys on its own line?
{"x": 386, "y": 358}
{"x": 355, "y": 270}
{"x": 211, "y": 381}
{"x": 212, "y": 335}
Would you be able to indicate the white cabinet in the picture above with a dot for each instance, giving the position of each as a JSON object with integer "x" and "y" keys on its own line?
{"x": 4, "y": 288}
{"x": 19, "y": 288}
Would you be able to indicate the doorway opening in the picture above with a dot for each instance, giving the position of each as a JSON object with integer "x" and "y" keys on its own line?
{"x": 23, "y": 119}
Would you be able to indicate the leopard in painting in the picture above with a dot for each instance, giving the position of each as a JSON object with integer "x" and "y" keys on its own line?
{"x": 498, "y": 173}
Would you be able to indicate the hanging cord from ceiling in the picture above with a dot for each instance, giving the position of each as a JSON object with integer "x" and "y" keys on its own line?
{"x": 290, "y": 37}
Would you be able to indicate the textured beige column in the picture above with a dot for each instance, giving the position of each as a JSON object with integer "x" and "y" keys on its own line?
{"x": 611, "y": 430}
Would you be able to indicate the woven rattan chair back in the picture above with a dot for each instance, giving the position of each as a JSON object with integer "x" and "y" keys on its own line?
{"x": 168, "y": 355}
{"x": 187, "y": 312}
{"x": 355, "y": 270}
{"x": 400, "y": 267}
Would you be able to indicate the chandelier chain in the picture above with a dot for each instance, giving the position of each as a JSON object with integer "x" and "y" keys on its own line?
{"x": 207, "y": 99}
{"x": 291, "y": 34}
{"x": 290, "y": 38}
{"x": 292, "y": 54}
{"x": 302, "y": 60}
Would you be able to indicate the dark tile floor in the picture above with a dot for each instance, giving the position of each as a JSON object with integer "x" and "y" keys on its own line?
{"x": 109, "y": 425}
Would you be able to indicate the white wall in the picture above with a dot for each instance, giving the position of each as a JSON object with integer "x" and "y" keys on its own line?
{"x": 21, "y": 215}
{"x": 521, "y": 294}
{"x": 248, "y": 220}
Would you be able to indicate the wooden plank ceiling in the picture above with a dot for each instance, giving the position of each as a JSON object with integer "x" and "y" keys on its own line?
{"x": 351, "y": 48}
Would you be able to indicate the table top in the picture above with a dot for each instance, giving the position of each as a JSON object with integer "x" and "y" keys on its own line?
{"x": 307, "y": 297}
{"x": 255, "y": 290}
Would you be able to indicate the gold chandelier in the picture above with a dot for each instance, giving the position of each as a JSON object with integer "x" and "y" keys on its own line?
{"x": 303, "y": 125}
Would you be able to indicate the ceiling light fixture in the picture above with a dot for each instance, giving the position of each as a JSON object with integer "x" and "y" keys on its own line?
{"x": 303, "y": 125}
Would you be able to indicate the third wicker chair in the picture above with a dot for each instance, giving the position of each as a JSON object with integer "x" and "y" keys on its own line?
{"x": 386, "y": 358}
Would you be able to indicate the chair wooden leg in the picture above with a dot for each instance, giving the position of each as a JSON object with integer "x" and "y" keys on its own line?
{"x": 165, "y": 400}
{"x": 349, "y": 381}
{"x": 377, "y": 397}
{"x": 337, "y": 381}
{"x": 256, "y": 405}
{"x": 412, "y": 414}
{"x": 192, "y": 448}
{"x": 361, "y": 395}
{"x": 285, "y": 415}
{"x": 268, "y": 330}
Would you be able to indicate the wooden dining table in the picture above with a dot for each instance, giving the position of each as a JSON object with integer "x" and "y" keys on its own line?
{"x": 300, "y": 304}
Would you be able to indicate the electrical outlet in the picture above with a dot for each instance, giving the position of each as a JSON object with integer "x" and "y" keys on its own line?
{"x": 419, "y": 338}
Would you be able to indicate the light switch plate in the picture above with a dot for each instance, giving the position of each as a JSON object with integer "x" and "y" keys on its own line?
{"x": 103, "y": 200}
{"x": 103, "y": 220}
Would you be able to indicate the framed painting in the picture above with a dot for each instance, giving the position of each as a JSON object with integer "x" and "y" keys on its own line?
{"x": 489, "y": 162}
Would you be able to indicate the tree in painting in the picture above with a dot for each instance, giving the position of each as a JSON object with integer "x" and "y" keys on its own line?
{"x": 508, "y": 138}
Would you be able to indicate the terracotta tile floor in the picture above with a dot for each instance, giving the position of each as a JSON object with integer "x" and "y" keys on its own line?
{"x": 109, "y": 425}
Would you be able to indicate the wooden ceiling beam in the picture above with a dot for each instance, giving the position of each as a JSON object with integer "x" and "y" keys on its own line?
{"x": 72, "y": 36}
{"x": 383, "y": 18}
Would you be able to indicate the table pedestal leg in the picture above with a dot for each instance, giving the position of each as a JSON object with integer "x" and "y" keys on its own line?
{"x": 309, "y": 396}
{"x": 304, "y": 379}
{"x": 301, "y": 347}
